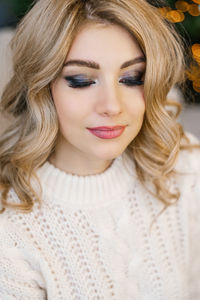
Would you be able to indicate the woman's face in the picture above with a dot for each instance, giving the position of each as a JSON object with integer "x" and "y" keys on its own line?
{"x": 101, "y": 85}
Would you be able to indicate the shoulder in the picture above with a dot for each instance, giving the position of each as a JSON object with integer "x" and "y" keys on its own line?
{"x": 8, "y": 232}
{"x": 187, "y": 170}
{"x": 188, "y": 177}
{"x": 188, "y": 161}
{"x": 13, "y": 222}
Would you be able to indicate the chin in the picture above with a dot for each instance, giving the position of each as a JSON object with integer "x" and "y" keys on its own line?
{"x": 110, "y": 154}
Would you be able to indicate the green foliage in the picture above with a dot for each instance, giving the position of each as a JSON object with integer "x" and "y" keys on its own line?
{"x": 19, "y": 7}
{"x": 190, "y": 27}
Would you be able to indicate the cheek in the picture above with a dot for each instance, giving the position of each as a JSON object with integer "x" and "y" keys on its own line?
{"x": 72, "y": 109}
{"x": 136, "y": 104}
{"x": 68, "y": 115}
{"x": 65, "y": 107}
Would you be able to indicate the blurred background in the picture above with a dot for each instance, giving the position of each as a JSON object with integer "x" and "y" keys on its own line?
{"x": 184, "y": 14}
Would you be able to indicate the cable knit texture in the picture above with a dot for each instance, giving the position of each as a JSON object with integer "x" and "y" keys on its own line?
{"x": 91, "y": 238}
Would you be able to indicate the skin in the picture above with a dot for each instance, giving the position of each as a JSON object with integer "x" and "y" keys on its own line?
{"x": 106, "y": 102}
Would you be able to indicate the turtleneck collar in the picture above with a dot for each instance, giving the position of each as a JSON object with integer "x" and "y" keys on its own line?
{"x": 87, "y": 191}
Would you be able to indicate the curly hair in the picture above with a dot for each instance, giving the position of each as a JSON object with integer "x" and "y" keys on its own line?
{"x": 40, "y": 46}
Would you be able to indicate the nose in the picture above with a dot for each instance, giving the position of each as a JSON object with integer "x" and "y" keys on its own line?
{"x": 109, "y": 100}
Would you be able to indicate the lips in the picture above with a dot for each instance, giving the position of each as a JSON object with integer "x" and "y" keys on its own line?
{"x": 107, "y": 132}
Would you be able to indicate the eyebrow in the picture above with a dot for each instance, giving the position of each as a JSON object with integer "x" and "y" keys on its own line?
{"x": 94, "y": 65}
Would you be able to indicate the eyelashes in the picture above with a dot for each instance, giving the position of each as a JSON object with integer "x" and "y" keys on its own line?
{"x": 79, "y": 81}
{"x": 132, "y": 81}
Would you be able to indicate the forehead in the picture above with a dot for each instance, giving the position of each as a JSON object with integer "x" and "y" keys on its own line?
{"x": 104, "y": 43}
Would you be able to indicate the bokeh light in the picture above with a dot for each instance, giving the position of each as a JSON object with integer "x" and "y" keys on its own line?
{"x": 194, "y": 10}
{"x": 178, "y": 15}
{"x": 196, "y": 52}
{"x": 193, "y": 73}
{"x": 196, "y": 85}
{"x": 182, "y": 6}
{"x": 164, "y": 10}
{"x": 175, "y": 16}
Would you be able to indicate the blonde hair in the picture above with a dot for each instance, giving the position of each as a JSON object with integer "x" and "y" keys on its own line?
{"x": 40, "y": 46}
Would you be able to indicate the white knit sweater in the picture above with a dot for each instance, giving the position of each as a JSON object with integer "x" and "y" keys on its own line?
{"x": 91, "y": 240}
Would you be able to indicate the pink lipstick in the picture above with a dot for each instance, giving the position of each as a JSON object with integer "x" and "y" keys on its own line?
{"x": 109, "y": 132}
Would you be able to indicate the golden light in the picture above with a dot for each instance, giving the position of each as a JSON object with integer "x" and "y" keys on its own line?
{"x": 175, "y": 16}
{"x": 190, "y": 76}
{"x": 198, "y": 61}
{"x": 164, "y": 10}
{"x": 182, "y": 5}
{"x": 196, "y": 1}
{"x": 196, "y": 49}
{"x": 193, "y": 73}
{"x": 196, "y": 85}
{"x": 196, "y": 52}
{"x": 197, "y": 58}
{"x": 194, "y": 10}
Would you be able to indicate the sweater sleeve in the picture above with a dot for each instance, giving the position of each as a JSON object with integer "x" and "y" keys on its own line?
{"x": 194, "y": 240}
{"x": 18, "y": 279}
{"x": 193, "y": 204}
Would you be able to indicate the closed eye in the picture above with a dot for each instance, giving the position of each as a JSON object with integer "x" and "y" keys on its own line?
{"x": 78, "y": 81}
{"x": 132, "y": 80}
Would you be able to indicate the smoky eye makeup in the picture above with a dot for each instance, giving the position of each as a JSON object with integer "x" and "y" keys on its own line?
{"x": 134, "y": 78}
{"x": 82, "y": 81}
{"x": 79, "y": 80}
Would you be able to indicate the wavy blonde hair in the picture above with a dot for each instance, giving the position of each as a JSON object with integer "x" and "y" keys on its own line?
{"x": 40, "y": 46}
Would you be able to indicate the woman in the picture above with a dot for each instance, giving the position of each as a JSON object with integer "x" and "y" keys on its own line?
{"x": 99, "y": 184}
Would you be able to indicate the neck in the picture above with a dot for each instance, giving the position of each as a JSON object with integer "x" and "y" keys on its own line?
{"x": 76, "y": 166}
{"x": 87, "y": 191}
{"x": 72, "y": 161}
